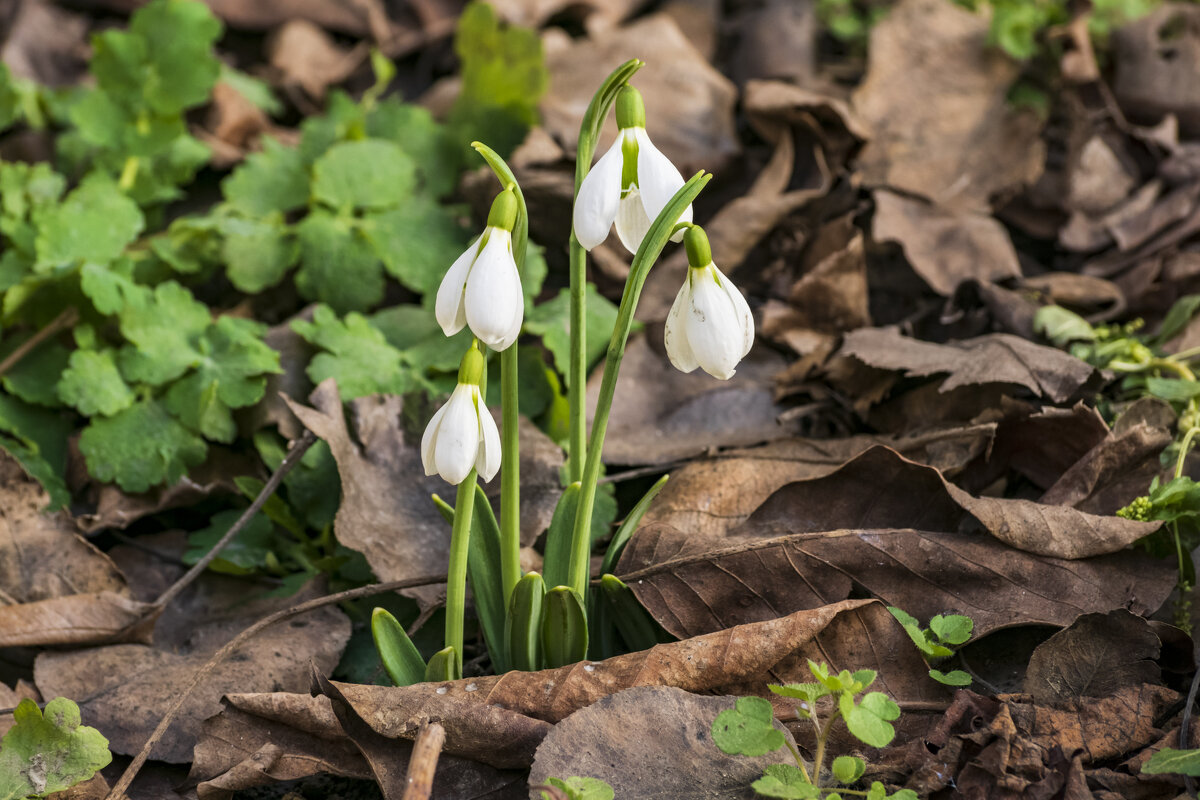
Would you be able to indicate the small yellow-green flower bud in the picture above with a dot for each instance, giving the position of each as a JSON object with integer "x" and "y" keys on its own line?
{"x": 470, "y": 369}
{"x": 504, "y": 211}
{"x": 695, "y": 242}
{"x": 631, "y": 111}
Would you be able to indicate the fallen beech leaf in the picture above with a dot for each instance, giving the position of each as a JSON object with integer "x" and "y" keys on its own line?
{"x": 1115, "y": 471}
{"x": 1041, "y": 444}
{"x": 714, "y": 495}
{"x": 945, "y": 247}
{"x": 935, "y": 99}
{"x": 692, "y": 123}
{"x": 692, "y": 585}
{"x": 78, "y": 619}
{"x": 997, "y": 358}
{"x": 911, "y": 495}
{"x": 1097, "y": 656}
{"x": 125, "y": 689}
{"x": 500, "y": 720}
{"x": 660, "y": 414}
{"x": 609, "y": 740}
{"x": 386, "y": 511}
{"x": 598, "y": 15}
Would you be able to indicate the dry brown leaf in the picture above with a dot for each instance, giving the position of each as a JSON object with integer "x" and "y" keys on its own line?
{"x": 945, "y": 247}
{"x": 56, "y": 587}
{"x": 997, "y": 358}
{"x": 776, "y": 40}
{"x": 306, "y": 56}
{"x": 660, "y": 414}
{"x": 597, "y": 15}
{"x": 611, "y": 740}
{"x": 935, "y": 99}
{"x": 691, "y": 585}
{"x": 500, "y": 720}
{"x": 390, "y": 761}
{"x": 692, "y": 120}
{"x": 9, "y": 698}
{"x": 1156, "y": 59}
{"x": 712, "y": 496}
{"x": 386, "y": 511}
{"x": 1097, "y": 656}
{"x": 124, "y": 690}
{"x": 118, "y": 509}
{"x": 260, "y": 739}
{"x": 1011, "y": 748}
{"x": 1039, "y": 443}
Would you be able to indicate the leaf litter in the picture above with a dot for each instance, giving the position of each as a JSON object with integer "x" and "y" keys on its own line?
{"x": 898, "y": 202}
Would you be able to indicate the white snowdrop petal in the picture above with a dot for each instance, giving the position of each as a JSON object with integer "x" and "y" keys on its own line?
{"x": 741, "y": 309}
{"x": 427, "y": 442}
{"x": 449, "y": 308}
{"x": 457, "y": 441}
{"x": 658, "y": 180}
{"x": 632, "y": 222}
{"x": 596, "y": 203}
{"x": 493, "y": 291}
{"x": 487, "y": 463}
{"x": 675, "y": 332}
{"x": 713, "y": 328}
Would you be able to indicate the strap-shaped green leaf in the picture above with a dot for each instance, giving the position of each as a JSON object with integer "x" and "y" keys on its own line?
{"x": 443, "y": 666}
{"x": 564, "y": 628}
{"x": 523, "y": 626}
{"x": 557, "y": 562}
{"x": 636, "y": 626}
{"x": 400, "y": 657}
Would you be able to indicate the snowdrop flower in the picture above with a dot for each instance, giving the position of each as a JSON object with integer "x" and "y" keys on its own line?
{"x": 629, "y": 185}
{"x": 710, "y": 324}
{"x": 482, "y": 288}
{"x": 462, "y": 434}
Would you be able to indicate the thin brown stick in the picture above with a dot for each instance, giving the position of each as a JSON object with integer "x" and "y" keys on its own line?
{"x": 66, "y": 319}
{"x": 118, "y": 790}
{"x": 422, "y": 764}
{"x": 297, "y": 451}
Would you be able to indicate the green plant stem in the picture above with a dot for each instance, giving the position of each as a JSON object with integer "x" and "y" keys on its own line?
{"x": 799, "y": 761}
{"x": 652, "y": 245}
{"x": 819, "y": 756}
{"x": 1183, "y": 449}
{"x": 456, "y": 573}
{"x": 510, "y": 454}
{"x": 1172, "y": 365}
{"x": 510, "y": 475}
{"x": 589, "y": 134}
{"x": 577, "y": 371}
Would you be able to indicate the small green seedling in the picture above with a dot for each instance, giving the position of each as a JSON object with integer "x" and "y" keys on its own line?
{"x": 47, "y": 753}
{"x": 934, "y": 642}
{"x": 748, "y": 729}
{"x": 576, "y": 788}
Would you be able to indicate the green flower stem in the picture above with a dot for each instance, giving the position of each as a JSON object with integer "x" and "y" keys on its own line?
{"x": 652, "y": 245}
{"x": 456, "y": 574}
{"x": 510, "y": 453}
{"x": 799, "y": 761}
{"x": 589, "y": 134}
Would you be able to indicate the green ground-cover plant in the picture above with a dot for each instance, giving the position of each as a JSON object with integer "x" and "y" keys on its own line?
{"x": 48, "y": 752}
{"x": 577, "y": 788}
{"x": 87, "y": 266}
{"x": 1147, "y": 370}
{"x": 749, "y": 729}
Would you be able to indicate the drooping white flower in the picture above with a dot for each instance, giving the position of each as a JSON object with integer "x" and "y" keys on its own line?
{"x": 462, "y": 434}
{"x": 482, "y": 288}
{"x": 629, "y": 185}
{"x": 710, "y": 325}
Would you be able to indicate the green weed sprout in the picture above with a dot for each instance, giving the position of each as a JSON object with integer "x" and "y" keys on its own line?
{"x": 935, "y": 642}
{"x": 749, "y": 729}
